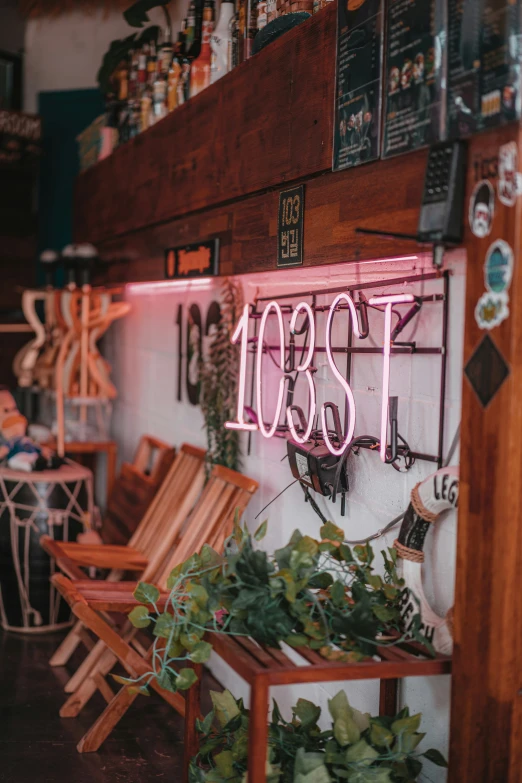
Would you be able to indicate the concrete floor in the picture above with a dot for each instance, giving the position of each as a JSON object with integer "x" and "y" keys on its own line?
{"x": 37, "y": 745}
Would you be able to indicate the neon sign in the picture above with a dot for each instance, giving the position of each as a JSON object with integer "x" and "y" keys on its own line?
{"x": 241, "y": 335}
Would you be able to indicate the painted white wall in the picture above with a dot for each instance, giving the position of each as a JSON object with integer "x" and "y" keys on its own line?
{"x": 143, "y": 351}
{"x": 65, "y": 52}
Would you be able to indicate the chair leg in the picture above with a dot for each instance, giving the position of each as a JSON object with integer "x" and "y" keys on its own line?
{"x": 192, "y": 711}
{"x": 258, "y": 731}
{"x": 68, "y": 646}
{"x": 103, "y": 726}
{"x": 388, "y": 691}
{"x": 85, "y": 668}
{"x": 77, "y": 700}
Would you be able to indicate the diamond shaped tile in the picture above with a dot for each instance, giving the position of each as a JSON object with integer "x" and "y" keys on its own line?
{"x": 486, "y": 370}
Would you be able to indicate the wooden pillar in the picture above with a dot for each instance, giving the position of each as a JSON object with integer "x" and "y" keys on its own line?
{"x": 486, "y": 714}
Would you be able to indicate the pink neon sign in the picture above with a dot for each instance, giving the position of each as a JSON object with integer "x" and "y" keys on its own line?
{"x": 241, "y": 334}
{"x": 388, "y": 301}
{"x": 304, "y": 367}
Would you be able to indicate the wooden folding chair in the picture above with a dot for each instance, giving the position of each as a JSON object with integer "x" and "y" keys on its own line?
{"x": 135, "y": 488}
{"x": 225, "y": 494}
{"x": 145, "y": 552}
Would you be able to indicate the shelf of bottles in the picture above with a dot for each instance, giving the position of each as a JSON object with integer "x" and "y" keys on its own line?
{"x": 157, "y": 78}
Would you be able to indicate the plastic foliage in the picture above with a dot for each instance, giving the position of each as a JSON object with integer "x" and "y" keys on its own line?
{"x": 310, "y": 593}
{"x": 356, "y": 747}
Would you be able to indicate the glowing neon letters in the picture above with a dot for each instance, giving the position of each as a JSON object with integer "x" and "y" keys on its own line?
{"x": 241, "y": 333}
{"x": 304, "y": 367}
{"x": 388, "y": 301}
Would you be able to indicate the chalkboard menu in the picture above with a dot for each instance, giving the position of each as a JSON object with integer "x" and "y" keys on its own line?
{"x": 358, "y": 86}
{"x": 414, "y": 101}
{"x": 483, "y": 64}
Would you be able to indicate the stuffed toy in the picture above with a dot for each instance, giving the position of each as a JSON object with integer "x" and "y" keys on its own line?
{"x": 18, "y": 451}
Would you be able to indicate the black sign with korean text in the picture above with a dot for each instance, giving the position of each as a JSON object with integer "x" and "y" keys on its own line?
{"x": 290, "y": 227}
{"x": 200, "y": 259}
{"x": 358, "y": 84}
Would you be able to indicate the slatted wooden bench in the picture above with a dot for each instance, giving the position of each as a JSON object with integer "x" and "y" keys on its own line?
{"x": 261, "y": 667}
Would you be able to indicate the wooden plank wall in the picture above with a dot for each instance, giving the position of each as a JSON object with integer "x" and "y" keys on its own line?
{"x": 486, "y": 721}
{"x": 214, "y": 167}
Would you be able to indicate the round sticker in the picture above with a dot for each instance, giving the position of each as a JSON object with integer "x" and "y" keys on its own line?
{"x": 491, "y": 310}
{"x": 498, "y": 268}
{"x": 482, "y": 209}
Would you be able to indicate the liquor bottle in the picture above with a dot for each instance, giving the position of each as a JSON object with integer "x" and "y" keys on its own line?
{"x": 262, "y": 14}
{"x": 174, "y": 74}
{"x": 159, "y": 98}
{"x": 234, "y": 42}
{"x": 200, "y": 69}
{"x": 123, "y": 82}
{"x": 221, "y": 42}
{"x": 194, "y": 29}
{"x": 152, "y": 64}
{"x": 142, "y": 65}
{"x": 251, "y": 27}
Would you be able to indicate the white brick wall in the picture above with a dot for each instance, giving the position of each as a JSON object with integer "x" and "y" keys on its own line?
{"x": 143, "y": 351}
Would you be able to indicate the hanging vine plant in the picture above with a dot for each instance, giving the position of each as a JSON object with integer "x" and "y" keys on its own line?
{"x": 316, "y": 594}
{"x": 218, "y": 374}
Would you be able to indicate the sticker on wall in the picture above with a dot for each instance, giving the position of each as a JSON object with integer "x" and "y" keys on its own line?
{"x": 498, "y": 268}
{"x": 482, "y": 209}
{"x": 509, "y": 178}
{"x": 491, "y": 310}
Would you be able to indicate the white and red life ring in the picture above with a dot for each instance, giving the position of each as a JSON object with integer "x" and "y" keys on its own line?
{"x": 429, "y": 499}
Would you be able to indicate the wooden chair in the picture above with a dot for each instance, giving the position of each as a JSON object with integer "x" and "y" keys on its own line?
{"x": 135, "y": 488}
{"x": 225, "y": 494}
{"x": 154, "y": 537}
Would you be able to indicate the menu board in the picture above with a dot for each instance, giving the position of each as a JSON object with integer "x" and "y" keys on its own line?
{"x": 483, "y": 64}
{"x": 414, "y": 104}
{"x": 358, "y": 83}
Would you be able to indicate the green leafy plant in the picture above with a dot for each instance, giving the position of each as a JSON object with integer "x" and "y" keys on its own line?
{"x": 357, "y": 747}
{"x": 218, "y": 374}
{"x": 311, "y": 593}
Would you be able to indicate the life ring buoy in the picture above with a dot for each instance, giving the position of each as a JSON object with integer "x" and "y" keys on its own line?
{"x": 429, "y": 499}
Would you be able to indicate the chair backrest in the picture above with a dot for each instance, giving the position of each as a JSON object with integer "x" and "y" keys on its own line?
{"x": 134, "y": 490}
{"x": 225, "y": 494}
{"x": 173, "y": 502}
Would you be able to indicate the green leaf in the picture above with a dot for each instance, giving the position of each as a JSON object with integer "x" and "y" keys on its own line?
{"x": 346, "y": 553}
{"x": 139, "y": 617}
{"x": 381, "y": 736}
{"x": 331, "y": 532}
{"x": 406, "y": 725}
{"x": 410, "y": 741}
{"x": 361, "y": 753}
{"x": 307, "y": 545}
{"x": 164, "y": 626}
{"x": 139, "y": 690}
{"x": 176, "y": 649}
{"x": 209, "y": 557}
{"x": 146, "y": 594}
{"x": 122, "y": 680}
{"x": 384, "y": 613}
{"x": 186, "y": 678}
{"x": 297, "y": 640}
{"x": 375, "y": 581}
{"x": 198, "y": 594}
{"x": 321, "y": 581}
{"x": 261, "y": 531}
{"x": 436, "y": 757}
{"x": 346, "y": 731}
{"x": 190, "y": 640}
{"x": 337, "y": 594}
{"x": 307, "y": 712}
{"x": 201, "y": 652}
{"x": 225, "y": 706}
{"x": 310, "y": 768}
{"x": 225, "y": 763}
